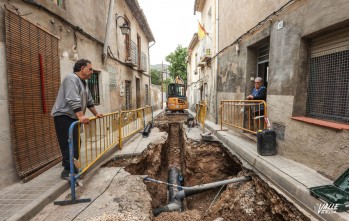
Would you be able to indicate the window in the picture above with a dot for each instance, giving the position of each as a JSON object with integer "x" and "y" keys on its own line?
{"x": 146, "y": 95}
{"x": 128, "y": 95}
{"x": 328, "y": 80}
{"x": 93, "y": 86}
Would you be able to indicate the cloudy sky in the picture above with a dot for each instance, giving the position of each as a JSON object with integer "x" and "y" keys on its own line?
{"x": 172, "y": 22}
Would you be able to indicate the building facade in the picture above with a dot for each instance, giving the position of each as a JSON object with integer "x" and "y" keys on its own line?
{"x": 39, "y": 43}
{"x": 300, "y": 49}
{"x": 200, "y": 63}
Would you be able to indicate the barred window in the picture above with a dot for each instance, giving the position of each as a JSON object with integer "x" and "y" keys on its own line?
{"x": 328, "y": 82}
{"x": 128, "y": 95}
{"x": 146, "y": 95}
{"x": 93, "y": 86}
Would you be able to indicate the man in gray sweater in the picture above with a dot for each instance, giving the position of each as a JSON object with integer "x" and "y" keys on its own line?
{"x": 72, "y": 100}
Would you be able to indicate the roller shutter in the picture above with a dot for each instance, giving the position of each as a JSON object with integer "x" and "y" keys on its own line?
{"x": 33, "y": 82}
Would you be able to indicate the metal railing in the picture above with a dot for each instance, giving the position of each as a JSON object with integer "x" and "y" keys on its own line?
{"x": 201, "y": 109}
{"x": 247, "y": 115}
{"x": 99, "y": 136}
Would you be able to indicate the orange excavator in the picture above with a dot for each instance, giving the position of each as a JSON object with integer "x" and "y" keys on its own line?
{"x": 176, "y": 98}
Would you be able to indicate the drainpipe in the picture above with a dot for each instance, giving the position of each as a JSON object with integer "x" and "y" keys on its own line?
{"x": 107, "y": 31}
{"x": 216, "y": 59}
{"x": 149, "y": 72}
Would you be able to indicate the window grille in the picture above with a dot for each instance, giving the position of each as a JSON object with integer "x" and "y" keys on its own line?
{"x": 128, "y": 95}
{"x": 263, "y": 54}
{"x": 93, "y": 86}
{"x": 328, "y": 81}
{"x": 146, "y": 95}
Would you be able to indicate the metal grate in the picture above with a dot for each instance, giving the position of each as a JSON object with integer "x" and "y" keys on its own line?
{"x": 146, "y": 95}
{"x": 128, "y": 95}
{"x": 33, "y": 80}
{"x": 263, "y": 54}
{"x": 93, "y": 86}
{"x": 328, "y": 82}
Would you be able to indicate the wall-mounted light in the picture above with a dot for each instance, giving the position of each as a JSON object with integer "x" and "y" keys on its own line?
{"x": 125, "y": 29}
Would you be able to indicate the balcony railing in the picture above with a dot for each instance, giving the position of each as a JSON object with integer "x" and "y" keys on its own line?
{"x": 143, "y": 66}
{"x": 132, "y": 61}
{"x": 204, "y": 51}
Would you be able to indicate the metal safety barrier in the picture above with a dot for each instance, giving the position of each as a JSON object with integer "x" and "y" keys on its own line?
{"x": 247, "y": 115}
{"x": 100, "y": 135}
{"x": 201, "y": 109}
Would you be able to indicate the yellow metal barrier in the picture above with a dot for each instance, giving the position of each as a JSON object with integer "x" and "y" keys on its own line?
{"x": 248, "y": 115}
{"x": 101, "y": 134}
{"x": 133, "y": 121}
{"x": 201, "y": 113}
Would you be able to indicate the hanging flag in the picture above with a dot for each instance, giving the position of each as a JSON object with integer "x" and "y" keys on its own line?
{"x": 201, "y": 32}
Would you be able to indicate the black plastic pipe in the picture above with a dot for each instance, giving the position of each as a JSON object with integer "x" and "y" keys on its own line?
{"x": 189, "y": 191}
{"x": 146, "y": 131}
{"x": 173, "y": 178}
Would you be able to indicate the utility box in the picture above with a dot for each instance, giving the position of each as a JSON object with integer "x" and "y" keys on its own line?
{"x": 266, "y": 142}
{"x": 334, "y": 194}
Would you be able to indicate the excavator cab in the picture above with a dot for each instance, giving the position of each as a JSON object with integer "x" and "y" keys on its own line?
{"x": 176, "y": 96}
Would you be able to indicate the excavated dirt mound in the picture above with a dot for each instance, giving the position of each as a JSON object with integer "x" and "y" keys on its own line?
{"x": 201, "y": 163}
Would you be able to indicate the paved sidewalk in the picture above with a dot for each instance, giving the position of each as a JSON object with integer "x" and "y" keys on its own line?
{"x": 22, "y": 201}
{"x": 292, "y": 178}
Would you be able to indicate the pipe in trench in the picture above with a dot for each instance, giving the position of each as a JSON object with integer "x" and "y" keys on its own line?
{"x": 189, "y": 191}
{"x": 174, "y": 203}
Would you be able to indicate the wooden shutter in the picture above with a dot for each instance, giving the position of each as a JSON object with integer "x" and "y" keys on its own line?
{"x": 32, "y": 90}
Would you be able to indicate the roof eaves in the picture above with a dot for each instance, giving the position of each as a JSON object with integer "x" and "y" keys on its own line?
{"x": 138, "y": 13}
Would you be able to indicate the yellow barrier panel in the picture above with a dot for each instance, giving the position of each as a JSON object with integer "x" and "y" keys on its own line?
{"x": 133, "y": 121}
{"x": 248, "y": 115}
{"x": 101, "y": 134}
{"x": 201, "y": 113}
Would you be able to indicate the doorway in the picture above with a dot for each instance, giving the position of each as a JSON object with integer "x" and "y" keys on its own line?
{"x": 263, "y": 63}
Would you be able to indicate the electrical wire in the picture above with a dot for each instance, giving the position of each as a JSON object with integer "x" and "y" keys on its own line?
{"x": 214, "y": 199}
{"x": 106, "y": 187}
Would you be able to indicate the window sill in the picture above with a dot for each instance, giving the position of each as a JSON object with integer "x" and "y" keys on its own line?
{"x": 328, "y": 124}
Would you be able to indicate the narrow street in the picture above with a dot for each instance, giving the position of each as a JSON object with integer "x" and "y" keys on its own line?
{"x": 166, "y": 110}
{"x": 118, "y": 191}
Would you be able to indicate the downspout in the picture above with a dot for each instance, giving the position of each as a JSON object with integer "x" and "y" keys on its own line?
{"x": 107, "y": 31}
{"x": 150, "y": 100}
{"x": 216, "y": 59}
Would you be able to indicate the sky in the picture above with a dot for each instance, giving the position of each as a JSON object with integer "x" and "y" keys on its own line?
{"x": 172, "y": 22}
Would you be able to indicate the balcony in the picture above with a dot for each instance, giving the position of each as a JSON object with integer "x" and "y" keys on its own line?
{"x": 206, "y": 56}
{"x": 132, "y": 61}
{"x": 204, "y": 52}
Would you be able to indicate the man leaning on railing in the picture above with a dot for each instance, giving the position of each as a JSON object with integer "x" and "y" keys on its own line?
{"x": 72, "y": 100}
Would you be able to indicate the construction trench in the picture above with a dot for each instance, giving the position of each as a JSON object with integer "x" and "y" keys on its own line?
{"x": 199, "y": 180}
